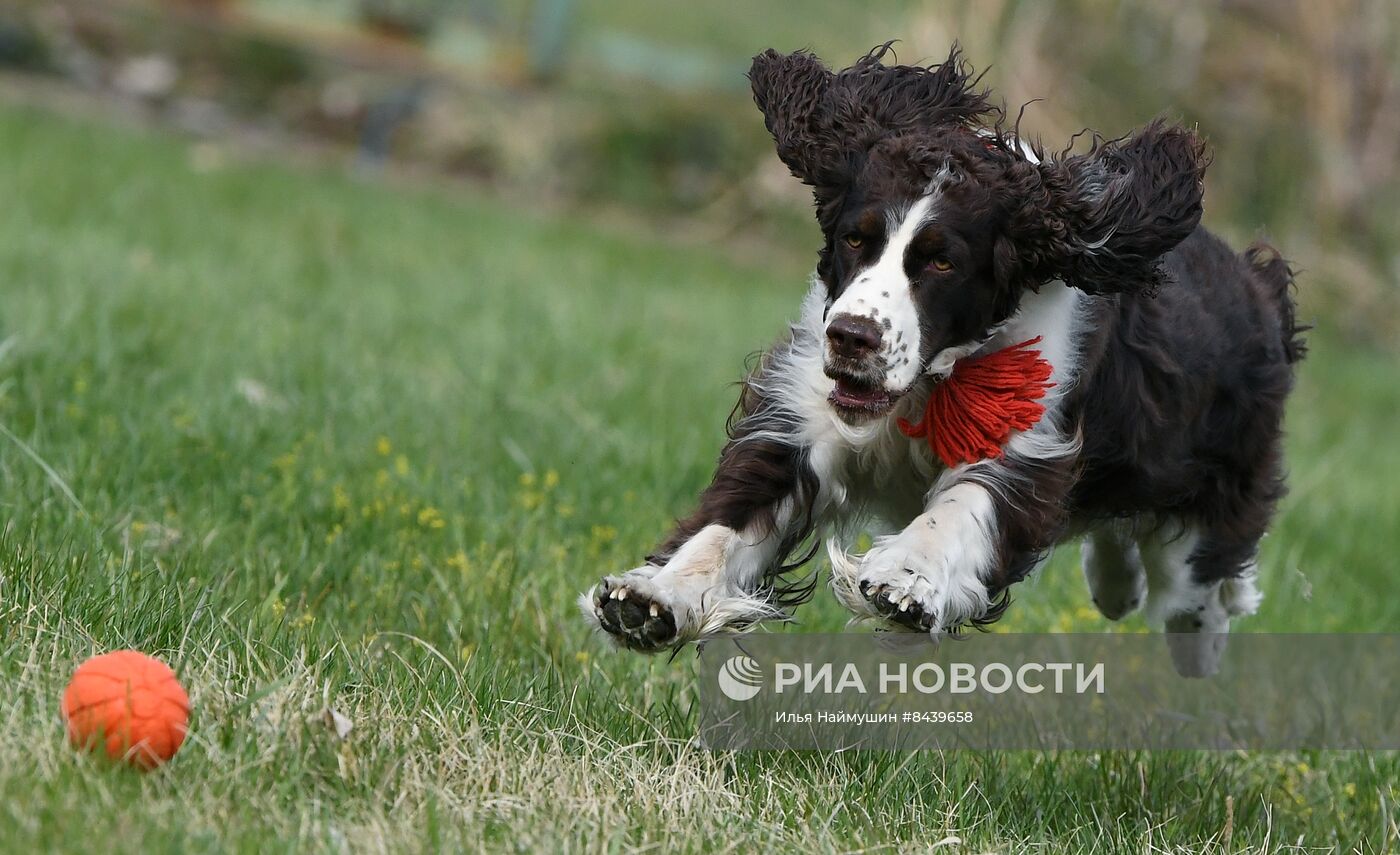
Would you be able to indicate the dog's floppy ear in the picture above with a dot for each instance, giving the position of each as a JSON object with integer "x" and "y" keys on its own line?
{"x": 822, "y": 122}
{"x": 793, "y": 91}
{"x": 1102, "y": 220}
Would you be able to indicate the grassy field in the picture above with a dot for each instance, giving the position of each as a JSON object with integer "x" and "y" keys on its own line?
{"x": 328, "y": 444}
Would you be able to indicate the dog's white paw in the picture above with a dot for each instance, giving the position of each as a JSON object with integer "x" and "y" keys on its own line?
{"x": 908, "y": 581}
{"x": 1197, "y": 637}
{"x": 1114, "y": 571}
{"x": 635, "y": 611}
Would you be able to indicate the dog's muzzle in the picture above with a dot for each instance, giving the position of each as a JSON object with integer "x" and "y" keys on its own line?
{"x": 854, "y": 361}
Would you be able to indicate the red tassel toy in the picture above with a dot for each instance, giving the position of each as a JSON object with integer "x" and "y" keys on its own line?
{"x": 972, "y": 413}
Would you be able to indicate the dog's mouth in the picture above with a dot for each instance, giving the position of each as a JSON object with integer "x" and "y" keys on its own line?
{"x": 860, "y": 398}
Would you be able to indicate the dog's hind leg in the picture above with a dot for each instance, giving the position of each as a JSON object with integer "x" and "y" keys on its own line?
{"x": 1195, "y": 586}
{"x": 1113, "y": 569}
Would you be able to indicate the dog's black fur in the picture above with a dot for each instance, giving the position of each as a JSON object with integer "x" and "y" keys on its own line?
{"x": 1182, "y": 414}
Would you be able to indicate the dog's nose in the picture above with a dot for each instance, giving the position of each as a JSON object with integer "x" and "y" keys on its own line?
{"x": 853, "y": 337}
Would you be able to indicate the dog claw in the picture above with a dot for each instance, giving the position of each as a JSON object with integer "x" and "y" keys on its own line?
{"x": 902, "y": 608}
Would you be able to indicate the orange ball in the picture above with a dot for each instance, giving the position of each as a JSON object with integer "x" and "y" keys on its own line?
{"x": 128, "y": 703}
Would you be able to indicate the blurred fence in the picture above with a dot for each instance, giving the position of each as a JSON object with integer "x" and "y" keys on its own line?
{"x": 643, "y": 105}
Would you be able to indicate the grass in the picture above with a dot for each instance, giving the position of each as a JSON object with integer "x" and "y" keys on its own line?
{"x": 328, "y": 444}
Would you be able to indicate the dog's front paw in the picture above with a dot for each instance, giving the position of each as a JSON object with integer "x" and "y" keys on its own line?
{"x": 914, "y": 587}
{"x": 634, "y": 611}
{"x": 900, "y": 587}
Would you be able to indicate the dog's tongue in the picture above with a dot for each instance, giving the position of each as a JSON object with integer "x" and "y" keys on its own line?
{"x": 856, "y": 396}
{"x": 972, "y": 414}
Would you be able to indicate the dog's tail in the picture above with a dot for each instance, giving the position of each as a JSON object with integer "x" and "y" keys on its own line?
{"x": 1274, "y": 271}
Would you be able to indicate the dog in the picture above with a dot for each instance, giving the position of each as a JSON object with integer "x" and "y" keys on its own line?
{"x": 945, "y": 238}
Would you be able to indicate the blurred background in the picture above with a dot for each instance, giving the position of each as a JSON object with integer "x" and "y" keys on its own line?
{"x": 638, "y": 113}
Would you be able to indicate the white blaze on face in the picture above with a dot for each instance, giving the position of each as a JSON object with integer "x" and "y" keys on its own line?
{"x": 883, "y": 293}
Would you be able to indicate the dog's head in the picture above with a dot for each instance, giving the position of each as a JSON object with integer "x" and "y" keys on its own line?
{"x": 935, "y": 228}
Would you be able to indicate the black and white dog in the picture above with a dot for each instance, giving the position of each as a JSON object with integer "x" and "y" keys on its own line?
{"x": 944, "y": 239}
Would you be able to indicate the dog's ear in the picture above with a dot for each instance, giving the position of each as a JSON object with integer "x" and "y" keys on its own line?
{"x": 1102, "y": 220}
{"x": 823, "y": 122}
{"x": 793, "y": 91}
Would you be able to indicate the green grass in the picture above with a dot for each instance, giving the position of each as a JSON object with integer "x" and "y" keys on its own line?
{"x": 333, "y": 443}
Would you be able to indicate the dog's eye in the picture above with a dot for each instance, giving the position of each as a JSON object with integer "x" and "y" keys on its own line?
{"x": 942, "y": 265}
{"x": 854, "y": 241}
